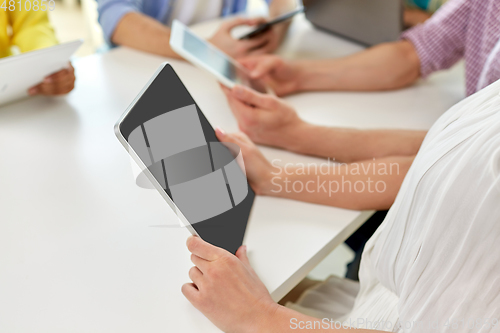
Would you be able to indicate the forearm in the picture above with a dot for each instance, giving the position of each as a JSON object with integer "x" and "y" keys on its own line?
{"x": 280, "y": 7}
{"x": 371, "y": 184}
{"x": 347, "y": 144}
{"x": 142, "y": 32}
{"x": 384, "y": 67}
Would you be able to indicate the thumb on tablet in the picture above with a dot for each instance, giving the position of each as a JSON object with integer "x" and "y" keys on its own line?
{"x": 242, "y": 255}
{"x": 204, "y": 250}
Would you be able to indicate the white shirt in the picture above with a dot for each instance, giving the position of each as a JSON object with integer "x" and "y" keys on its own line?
{"x": 195, "y": 11}
{"x": 435, "y": 258}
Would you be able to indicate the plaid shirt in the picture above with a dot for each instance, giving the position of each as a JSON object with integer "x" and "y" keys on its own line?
{"x": 468, "y": 29}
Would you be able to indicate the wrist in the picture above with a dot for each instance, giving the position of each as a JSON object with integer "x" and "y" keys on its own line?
{"x": 270, "y": 321}
{"x": 281, "y": 179}
{"x": 295, "y": 135}
{"x": 317, "y": 75}
{"x": 269, "y": 183}
{"x": 284, "y": 135}
{"x": 305, "y": 75}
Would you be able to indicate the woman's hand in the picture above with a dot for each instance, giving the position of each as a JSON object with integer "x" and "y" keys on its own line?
{"x": 226, "y": 289}
{"x": 281, "y": 75}
{"x": 257, "y": 168}
{"x": 241, "y": 48}
{"x": 264, "y": 118}
{"x": 59, "y": 83}
{"x": 276, "y": 33}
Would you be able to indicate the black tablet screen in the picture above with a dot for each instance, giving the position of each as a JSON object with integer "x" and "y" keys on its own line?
{"x": 170, "y": 134}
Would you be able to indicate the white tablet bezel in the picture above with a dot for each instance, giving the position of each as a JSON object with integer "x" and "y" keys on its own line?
{"x": 59, "y": 54}
{"x": 184, "y": 221}
{"x": 139, "y": 161}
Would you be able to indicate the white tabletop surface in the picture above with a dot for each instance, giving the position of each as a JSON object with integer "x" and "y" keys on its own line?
{"x": 78, "y": 252}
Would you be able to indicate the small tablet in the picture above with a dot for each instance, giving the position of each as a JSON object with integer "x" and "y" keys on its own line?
{"x": 206, "y": 56}
{"x": 21, "y": 72}
{"x": 266, "y": 26}
{"x": 176, "y": 148}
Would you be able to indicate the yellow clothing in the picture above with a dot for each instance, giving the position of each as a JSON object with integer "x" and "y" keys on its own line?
{"x": 28, "y": 30}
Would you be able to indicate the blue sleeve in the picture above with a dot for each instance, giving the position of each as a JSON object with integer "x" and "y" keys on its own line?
{"x": 111, "y": 12}
{"x": 237, "y": 6}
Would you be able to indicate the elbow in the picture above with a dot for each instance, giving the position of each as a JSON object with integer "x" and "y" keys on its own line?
{"x": 112, "y": 14}
{"x": 116, "y": 34}
{"x": 407, "y": 63}
{"x": 411, "y": 60}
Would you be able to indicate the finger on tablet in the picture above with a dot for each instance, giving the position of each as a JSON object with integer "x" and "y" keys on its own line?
{"x": 257, "y": 42}
{"x": 34, "y": 90}
{"x": 225, "y": 89}
{"x": 264, "y": 64}
{"x": 204, "y": 250}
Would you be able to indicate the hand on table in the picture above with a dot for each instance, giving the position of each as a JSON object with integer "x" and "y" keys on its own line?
{"x": 241, "y": 48}
{"x": 59, "y": 83}
{"x": 282, "y": 76}
{"x": 226, "y": 289}
{"x": 264, "y": 118}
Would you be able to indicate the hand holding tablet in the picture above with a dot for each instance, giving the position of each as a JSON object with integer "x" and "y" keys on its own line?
{"x": 266, "y": 26}
{"x": 200, "y": 178}
{"x": 28, "y": 70}
{"x": 206, "y": 56}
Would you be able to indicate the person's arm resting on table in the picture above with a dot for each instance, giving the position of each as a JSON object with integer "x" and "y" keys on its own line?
{"x": 435, "y": 45}
{"x": 124, "y": 24}
{"x": 383, "y": 67}
{"x": 144, "y": 33}
{"x": 270, "y": 121}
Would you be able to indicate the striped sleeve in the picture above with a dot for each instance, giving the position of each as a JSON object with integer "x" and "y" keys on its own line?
{"x": 440, "y": 41}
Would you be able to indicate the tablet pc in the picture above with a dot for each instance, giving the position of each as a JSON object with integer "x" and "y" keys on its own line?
{"x": 175, "y": 146}
{"x": 21, "y": 72}
{"x": 206, "y": 56}
{"x": 266, "y": 26}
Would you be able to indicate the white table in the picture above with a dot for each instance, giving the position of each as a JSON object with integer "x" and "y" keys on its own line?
{"x": 77, "y": 250}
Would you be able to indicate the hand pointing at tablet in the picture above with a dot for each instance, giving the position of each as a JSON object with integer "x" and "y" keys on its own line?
{"x": 59, "y": 83}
